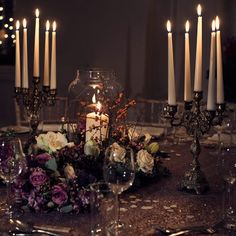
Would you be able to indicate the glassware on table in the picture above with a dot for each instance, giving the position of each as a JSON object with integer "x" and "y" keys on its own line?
{"x": 119, "y": 173}
{"x": 12, "y": 164}
{"x": 228, "y": 173}
{"x": 101, "y": 208}
{"x": 224, "y": 135}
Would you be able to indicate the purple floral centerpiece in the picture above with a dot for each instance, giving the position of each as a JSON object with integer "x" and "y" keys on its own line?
{"x": 59, "y": 172}
{"x": 51, "y": 180}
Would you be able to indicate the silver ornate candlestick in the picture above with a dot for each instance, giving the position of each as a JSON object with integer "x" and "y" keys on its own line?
{"x": 197, "y": 122}
{"x": 32, "y": 100}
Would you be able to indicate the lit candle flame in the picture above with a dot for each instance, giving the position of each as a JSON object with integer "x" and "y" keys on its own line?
{"x": 47, "y": 25}
{"x": 37, "y": 12}
{"x": 199, "y": 10}
{"x": 17, "y": 25}
{"x": 99, "y": 106}
{"x": 168, "y": 26}
{"x": 54, "y": 26}
{"x": 187, "y": 26}
{"x": 24, "y": 23}
{"x": 213, "y": 25}
{"x": 94, "y": 99}
{"x": 217, "y": 23}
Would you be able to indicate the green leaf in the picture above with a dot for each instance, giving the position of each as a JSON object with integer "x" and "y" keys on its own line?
{"x": 51, "y": 164}
{"x": 66, "y": 209}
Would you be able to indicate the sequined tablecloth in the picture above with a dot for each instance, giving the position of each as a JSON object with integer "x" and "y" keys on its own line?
{"x": 159, "y": 204}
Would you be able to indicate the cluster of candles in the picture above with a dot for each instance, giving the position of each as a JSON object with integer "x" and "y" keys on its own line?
{"x": 213, "y": 98}
{"x": 47, "y": 82}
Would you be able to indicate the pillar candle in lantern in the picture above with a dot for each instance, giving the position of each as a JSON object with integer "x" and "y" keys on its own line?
{"x": 53, "y": 81}
{"x": 46, "y": 56}
{"x": 211, "y": 97}
{"x": 36, "y": 45}
{"x": 198, "y": 62}
{"x": 220, "y": 84}
{"x": 187, "y": 74}
{"x": 171, "y": 72}
{"x": 96, "y": 125}
{"x": 25, "y": 79}
{"x": 17, "y": 55}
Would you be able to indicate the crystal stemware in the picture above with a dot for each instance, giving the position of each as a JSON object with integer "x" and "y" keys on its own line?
{"x": 119, "y": 173}
{"x": 12, "y": 164}
{"x": 228, "y": 172}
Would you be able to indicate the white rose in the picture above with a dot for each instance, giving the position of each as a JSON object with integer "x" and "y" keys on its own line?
{"x": 51, "y": 141}
{"x": 42, "y": 142}
{"x": 91, "y": 148}
{"x": 145, "y": 161}
{"x": 117, "y": 153}
{"x": 56, "y": 141}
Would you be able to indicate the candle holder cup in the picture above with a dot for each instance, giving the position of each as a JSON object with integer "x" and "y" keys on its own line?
{"x": 197, "y": 122}
{"x": 32, "y": 100}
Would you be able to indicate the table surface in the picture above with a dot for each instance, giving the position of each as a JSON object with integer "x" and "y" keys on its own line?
{"x": 160, "y": 203}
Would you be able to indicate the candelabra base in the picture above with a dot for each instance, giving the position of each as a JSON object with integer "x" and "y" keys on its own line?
{"x": 194, "y": 181}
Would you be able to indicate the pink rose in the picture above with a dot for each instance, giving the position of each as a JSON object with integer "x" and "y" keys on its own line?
{"x": 43, "y": 158}
{"x": 59, "y": 195}
{"x": 38, "y": 177}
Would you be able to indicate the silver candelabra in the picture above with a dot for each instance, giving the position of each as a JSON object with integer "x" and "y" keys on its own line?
{"x": 33, "y": 99}
{"x": 197, "y": 122}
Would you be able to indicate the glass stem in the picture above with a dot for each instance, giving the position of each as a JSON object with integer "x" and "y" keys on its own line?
{"x": 228, "y": 204}
{"x": 117, "y": 209}
{"x": 8, "y": 201}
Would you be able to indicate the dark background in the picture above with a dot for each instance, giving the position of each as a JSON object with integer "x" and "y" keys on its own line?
{"x": 128, "y": 36}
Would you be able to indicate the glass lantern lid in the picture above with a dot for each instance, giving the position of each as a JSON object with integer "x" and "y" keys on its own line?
{"x": 90, "y": 91}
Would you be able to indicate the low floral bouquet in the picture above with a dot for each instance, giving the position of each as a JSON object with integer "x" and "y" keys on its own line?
{"x": 58, "y": 172}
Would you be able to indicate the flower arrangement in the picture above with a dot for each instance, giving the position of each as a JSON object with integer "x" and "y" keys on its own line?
{"x": 58, "y": 172}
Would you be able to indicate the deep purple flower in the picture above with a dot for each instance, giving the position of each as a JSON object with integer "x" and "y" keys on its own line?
{"x": 43, "y": 158}
{"x": 59, "y": 194}
{"x": 38, "y": 177}
{"x": 35, "y": 201}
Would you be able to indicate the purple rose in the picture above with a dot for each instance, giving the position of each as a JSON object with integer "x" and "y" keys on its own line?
{"x": 59, "y": 194}
{"x": 38, "y": 177}
{"x": 43, "y": 158}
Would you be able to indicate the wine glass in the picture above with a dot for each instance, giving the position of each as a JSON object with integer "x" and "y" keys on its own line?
{"x": 119, "y": 173}
{"x": 228, "y": 173}
{"x": 224, "y": 135}
{"x": 12, "y": 164}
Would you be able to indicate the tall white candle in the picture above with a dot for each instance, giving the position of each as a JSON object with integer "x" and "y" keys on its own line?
{"x": 25, "y": 79}
{"x": 198, "y": 60}
{"x": 17, "y": 57}
{"x": 187, "y": 74}
{"x": 53, "y": 81}
{"x": 36, "y": 45}
{"x": 96, "y": 125}
{"x": 171, "y": 72}
{"x": 220, "y": 83}
{"x": 46, "y": 56}
{"x": 211, "y": 98}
